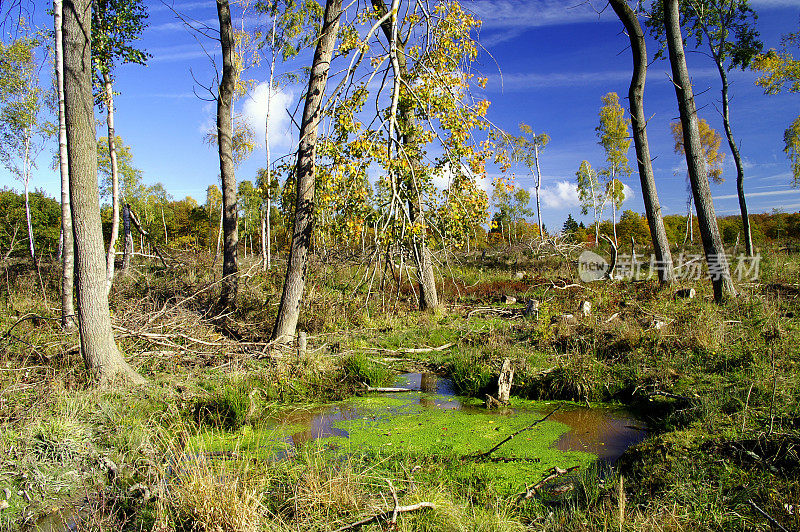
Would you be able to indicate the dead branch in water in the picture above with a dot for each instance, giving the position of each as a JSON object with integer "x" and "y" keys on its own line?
{"x": 556, "y": 472}
{"x": 486, "y": 454}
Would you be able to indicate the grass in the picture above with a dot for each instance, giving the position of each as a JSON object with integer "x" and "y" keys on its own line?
{"x": 718, "y": 385}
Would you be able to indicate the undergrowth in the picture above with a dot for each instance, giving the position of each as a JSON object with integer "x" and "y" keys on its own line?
{"x": 718, "y": 387}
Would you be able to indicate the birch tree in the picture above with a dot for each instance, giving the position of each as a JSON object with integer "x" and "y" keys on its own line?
{"x": 781, "y": 71}
{"x": 716, "y": 259}
{"x": 525, "y": 148}
{"x": 67, "y": 243}
{"x": 305, "y": 172}
{"x": 591, "y": 195}
{"x": 115, "y": 25}
{"x": 652, "y": 205}
{"x": 615, "y": 140}
{"x": 23, "y": 131}
{"x": 726, "y": 28}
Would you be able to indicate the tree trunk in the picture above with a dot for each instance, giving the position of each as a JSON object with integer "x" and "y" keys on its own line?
{"x": 429, "y": 298}
{"x": 68, "y": 247}
{"x": 269, "y": 234}
{"x": 614, "y": 215}
{"x": 219, "y": 234}
{"x": 709, "y": 230}
{"x": 164, "y": 223}
{"x": 737, "y": 159}
{"x": 538, "y": 186}
{"x": 126, "y": 228}
{"x": 289, "y": 310}
{"x": 230, "y": 224}
{"x": 100, "y": 354}
{"x": 112, "y": 155}
{"x": 652, "y": 206}
{"x": 266, "y": 255}
{"x": 26, "y": 179}
{"x": 263, "y": 240}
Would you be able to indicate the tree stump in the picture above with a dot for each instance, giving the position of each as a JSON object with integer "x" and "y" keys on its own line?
{"x": 504, "y": 382}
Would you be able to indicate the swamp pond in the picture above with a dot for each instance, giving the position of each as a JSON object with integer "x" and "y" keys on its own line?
{"x": 429, "y": 420}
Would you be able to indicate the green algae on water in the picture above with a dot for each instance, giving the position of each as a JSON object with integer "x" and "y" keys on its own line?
{"x": 455, "y": 434}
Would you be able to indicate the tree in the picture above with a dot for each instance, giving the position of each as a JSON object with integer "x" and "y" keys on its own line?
{"x": 22, "y": 131}
{"x": 424, "y": 100}
{"x": 590, "y": 195}
{"x": 698, "y": 175}
{"x": 230, "y": 222}
{"x": 250, "y": 204}
{"x": 289, "y": 309}
{"x": 728, "y": 29}
{"x": 100, "y": 353}
{"x": 267, "y": 187}
{"x": 615, "y": 140}
{"x": 285, "y": 38}
{"x": 779, "y": 70}
{"x": 710, "y": 142}
{"x": 44, "y": 213}
{"x": 652, "y": 205}
{"x": 525, "y": 149}
{"x": 570, "y": 225}
{"x": 511, "y": 202}
{"x": 791, "y": 139}
{"x": 115, "y": 23}
{"x": 67, "y": 243}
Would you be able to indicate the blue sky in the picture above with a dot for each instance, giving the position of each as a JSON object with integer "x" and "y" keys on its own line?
{"x": 549, "y": 63}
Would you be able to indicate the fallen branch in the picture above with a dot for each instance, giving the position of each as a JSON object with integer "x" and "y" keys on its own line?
{"x": 771, "y": 519}
{"x": 671, "y": 396}
{"x": 388, "y": 390}
{"x": 394, "y": 512}
{"x": 509, "y": 438}
{"x": 412, "y": 350}
{"x": 556, "y": 472}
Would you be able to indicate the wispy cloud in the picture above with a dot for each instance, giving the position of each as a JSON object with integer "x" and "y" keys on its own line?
{"x": 759, "y": 194}
{"x": 180, "y": 53}
{"x": 180, "y": 7}
{"x": 534, "y": 13}
{"x": 774, "y": 3}
{"x": 209, "y": 23}
{"x": 531, "y": 80}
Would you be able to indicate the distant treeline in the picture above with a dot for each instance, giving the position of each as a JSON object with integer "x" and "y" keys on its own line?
{"x": 185, "y": 224}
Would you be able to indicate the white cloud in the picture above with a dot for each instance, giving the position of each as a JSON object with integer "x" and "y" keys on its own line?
{"x": 254, "y": 111}
{"x": 628, "y": 192}
{"x": 441, "y": 179}
{"x": 563, "y": 194}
